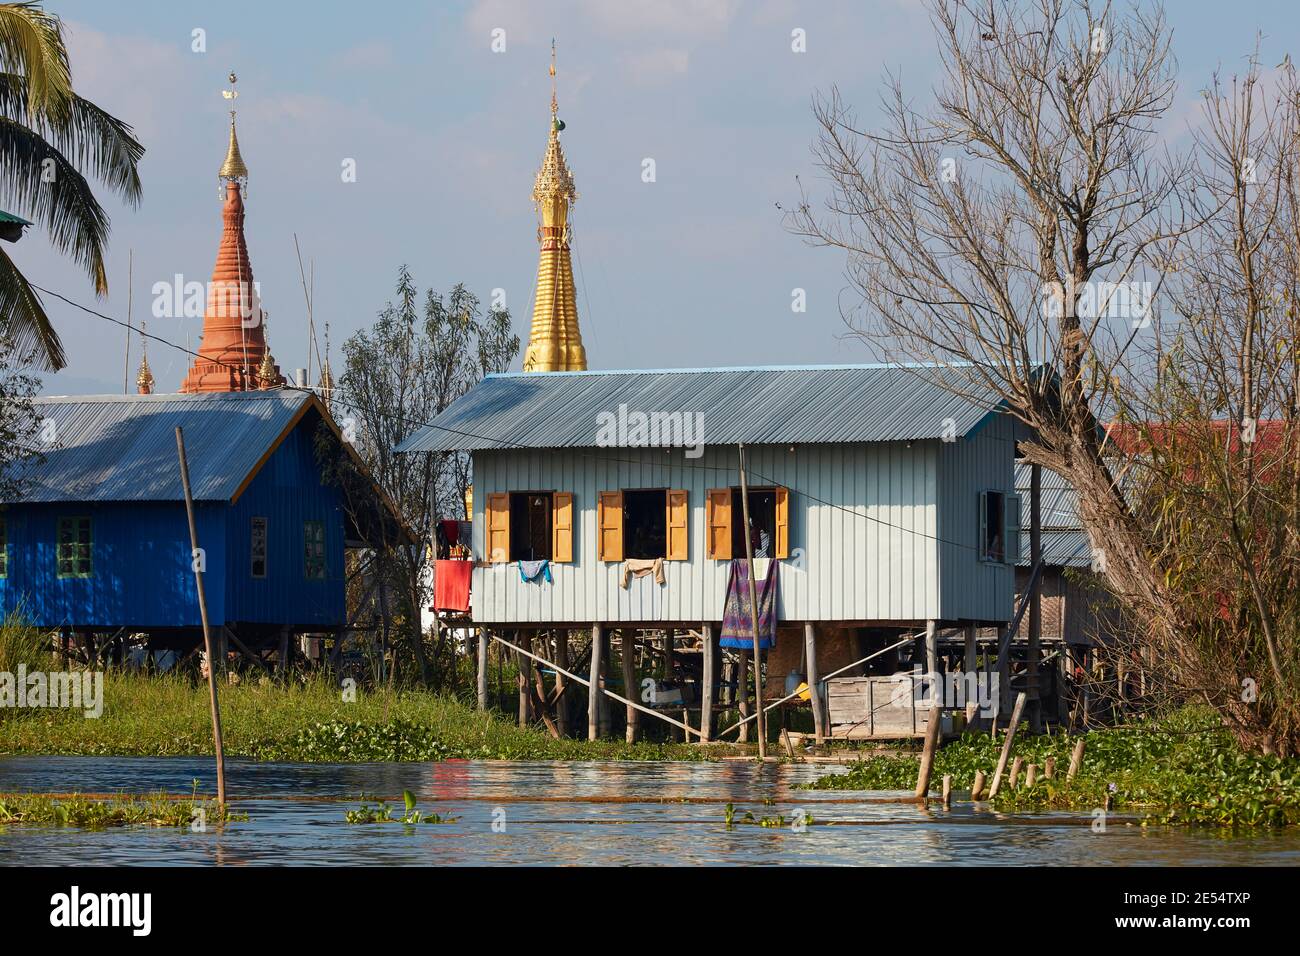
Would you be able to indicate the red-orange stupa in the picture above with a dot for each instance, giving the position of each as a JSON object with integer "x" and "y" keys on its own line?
{"x": 233, "y": 355}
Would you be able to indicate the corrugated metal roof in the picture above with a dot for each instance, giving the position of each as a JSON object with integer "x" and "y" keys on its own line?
{"x": 829, "y": 403}
{"x": 1065, "y": 543}
{"x": 123, "y": 447}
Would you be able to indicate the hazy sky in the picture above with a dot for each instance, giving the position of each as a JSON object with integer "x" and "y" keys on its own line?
{"x": 693, "y": 269}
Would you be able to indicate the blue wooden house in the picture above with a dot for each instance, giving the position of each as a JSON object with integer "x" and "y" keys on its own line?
{"x": 99, "y": 541}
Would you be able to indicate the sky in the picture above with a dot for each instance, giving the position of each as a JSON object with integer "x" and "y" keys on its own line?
{"x": 446, "y": 134}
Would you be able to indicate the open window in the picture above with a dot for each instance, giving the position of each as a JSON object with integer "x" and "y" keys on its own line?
{"x": 653, "y": 523}
{"x": 999, "y": 539}
{"x": 769, "y": 519}
{"x": 529, "y": 526}
{"x": 531, "y": 523}
{"x": 4, "y": 548}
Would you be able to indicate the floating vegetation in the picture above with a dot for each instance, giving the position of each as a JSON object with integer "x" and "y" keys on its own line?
{"x": 1184, "y": 768}
{"x": 148, "y": 810}
{"x": 384, "y": 813}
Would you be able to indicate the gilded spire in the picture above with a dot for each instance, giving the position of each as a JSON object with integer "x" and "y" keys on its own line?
{"x": 554, "y": 342}
{"x": 267, "y": 376}
{"x": 144, "y": 377}
{"x": 233, "y": 167}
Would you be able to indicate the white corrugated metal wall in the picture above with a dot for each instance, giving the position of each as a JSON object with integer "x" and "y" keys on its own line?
{"x": 971, "y": 589}
{"x": 863, "y": 533}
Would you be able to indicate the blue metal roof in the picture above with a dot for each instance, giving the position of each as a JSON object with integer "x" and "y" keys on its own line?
{"x": 123, "y": 447}
{"x": 766, "y": 405}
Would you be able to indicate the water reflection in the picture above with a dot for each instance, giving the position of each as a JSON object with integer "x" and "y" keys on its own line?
{"x": 620, "y": 814}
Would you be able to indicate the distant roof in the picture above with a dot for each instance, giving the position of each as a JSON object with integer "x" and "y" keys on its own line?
{"x": 760, "y": 405}
{"x": 123, "y": 447}
{"x": 1065, "y": 543}
{"x": 8, "y": 217}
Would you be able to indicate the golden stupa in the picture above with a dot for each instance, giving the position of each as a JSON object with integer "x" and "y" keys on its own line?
{"x": 554, "y": 342}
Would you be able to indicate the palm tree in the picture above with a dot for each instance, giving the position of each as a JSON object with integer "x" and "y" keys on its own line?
{"x": 49, "y": 136}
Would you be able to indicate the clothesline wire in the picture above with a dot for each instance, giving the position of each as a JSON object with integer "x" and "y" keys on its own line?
{"x": 345, "y": 399}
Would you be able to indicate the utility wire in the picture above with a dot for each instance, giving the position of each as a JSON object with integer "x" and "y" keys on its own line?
{"x": 342, "y": 398}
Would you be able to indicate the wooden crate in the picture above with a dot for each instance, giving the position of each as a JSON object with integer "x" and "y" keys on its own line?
{"x": 875, "y": 708}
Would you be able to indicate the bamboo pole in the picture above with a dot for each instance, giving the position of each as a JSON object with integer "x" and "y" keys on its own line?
{"x": 815, "y": 692}
{"x": 1016, "y": 764}
{"x": 761, "y": 724}
{"x": 1076, "y": 761}
{"x": 627, "y": 649}
{"x": 593, "y": 698}
{"x": 932, "y": 730}
{"x": 708, "y": 682}
{"x": 203, "y": 614}
{"x": 947, "y": 791}
{"x": 977, "y": 789}
{"x": 482, "y": 676}
{"x": 1006, "y": 746}
{"x": 604, "y": 690}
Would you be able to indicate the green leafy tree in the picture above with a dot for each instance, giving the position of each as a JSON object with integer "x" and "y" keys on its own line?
{"x": 421, "y": 354}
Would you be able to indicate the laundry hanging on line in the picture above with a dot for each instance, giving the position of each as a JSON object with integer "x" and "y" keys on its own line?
{"x": 451, "y": 585}
{"x": 640, "y": 567}
{"x": 535, "y": 571}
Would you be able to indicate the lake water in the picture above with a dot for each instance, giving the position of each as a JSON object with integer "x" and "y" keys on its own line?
{"x": 608, "y": 813}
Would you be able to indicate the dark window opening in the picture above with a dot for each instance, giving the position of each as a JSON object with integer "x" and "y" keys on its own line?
{"x": 993, "y": 545}
{"x": 257, "y": 548}
{"x": 74, "y": 548}
{"x": 4, "y": 548}
{"x": 530, "y": 525}
{"x": 313, "y": 535}
{"x": 762, "y": 520}
{"x": 645, "y": 524}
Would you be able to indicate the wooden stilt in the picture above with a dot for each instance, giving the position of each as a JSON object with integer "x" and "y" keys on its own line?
{"x": 815, "y": 689}
{"x": 606, "y": 706}
{"x": 933, "y": 728}
{"x": 1076, "y": 761}
{"x": 742, "y": 695}
{"x": 670, "y": 669}
{"x": 977, "y": 789}
{"x": 594, "y": 691}
{"x": 1016, "y": 764}
{"x": 627, "y": 651}
{"x": 282, "y": 665}
{"x": 524, "y": 667}
{"x": 970, "y": 649}
{"x": 709, "y": 681}
{"x": 932, "y": 648}
{"x": 562, "y": 682}
{"x": 1031, "y": 776}
{"x": 482, "y": 676}
{"x": 947, "y": 791}
{"x": 1006, "y": 745}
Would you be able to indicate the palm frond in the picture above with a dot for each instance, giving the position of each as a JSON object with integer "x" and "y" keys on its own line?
{"x": 51, "y": 191}
{"x": 24, "y": 318}
{"x": 31, "y": 44}
{"x": 100, "y": 144}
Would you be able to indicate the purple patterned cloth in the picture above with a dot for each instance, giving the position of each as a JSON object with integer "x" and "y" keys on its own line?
{"x": 737, "y": 628}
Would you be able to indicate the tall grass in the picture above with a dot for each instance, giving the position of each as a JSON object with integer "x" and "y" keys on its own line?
{"x": 20, "y": 643}
{"x": 301, "y": 720}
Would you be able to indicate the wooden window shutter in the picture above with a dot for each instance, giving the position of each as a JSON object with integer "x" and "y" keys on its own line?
{"x": 783, "y": 522}
{"x": 717, "y": 520}
{"x": 498, "y": 528}
{"x": 678, "y": 525}
{"x": 562, "y": 527}
{"x": 609, "y": 525}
